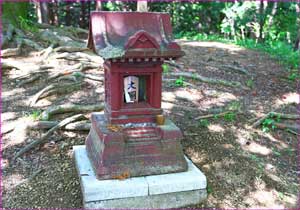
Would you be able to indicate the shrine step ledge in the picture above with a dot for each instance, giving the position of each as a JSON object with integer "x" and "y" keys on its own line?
{"x": 172, "y": 190}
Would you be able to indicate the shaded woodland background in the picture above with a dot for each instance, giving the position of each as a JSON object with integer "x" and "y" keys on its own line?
{"x": 274, "y": 24}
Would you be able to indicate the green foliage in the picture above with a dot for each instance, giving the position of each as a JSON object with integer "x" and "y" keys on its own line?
{"x": 35, "y": 114}
{"x": 12, "y": 11}
{"x": 166, "y": 68}
{"x": 268, "y": 124}
{"x": 250, "y": 83}
{"x": 234, "y": 106}
{"x": 276, "y": 152}
{"x": 204, "y": 123}
{"x": 179, "y": 82}
{"x": 27, "y": 25}
{"x": 279, "y": 50}
{"x": 209, "y": 189}
{"x": 230, "y": 116}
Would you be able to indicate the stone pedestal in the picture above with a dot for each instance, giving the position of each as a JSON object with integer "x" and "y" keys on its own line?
{"x": 171, "y": 190}
{"x": 140, "y": 149}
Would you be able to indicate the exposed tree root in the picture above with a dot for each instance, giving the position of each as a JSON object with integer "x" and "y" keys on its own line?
{"x": 207, "y": 80}
{"x": 48, "y": 134}
{"x": 75, "y": 126}
{"x": 8, "y": 35}
{"x": 227, "y": 66}
{"x": 29, "y": 80}
{"x": 55, "y": 89}
{"x": 75, "y": 68}
{"x": 37, "y": 125}
{"x": 80, "y": 56}
{"x": 30, "y": 43}
{"x": 46, "y": 52}
{"x": 11, "y": 52}
{"x": 9, "y": 65}
{"x": 70, "y": 49}
{"x": 78, "y": 126}
{"x": 47, "y": 114}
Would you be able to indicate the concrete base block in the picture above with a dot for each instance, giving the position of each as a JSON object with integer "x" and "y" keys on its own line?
{"x": 157, "y": 191}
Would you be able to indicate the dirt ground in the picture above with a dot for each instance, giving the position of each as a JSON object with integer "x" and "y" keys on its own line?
{"x": 245, "y": 167}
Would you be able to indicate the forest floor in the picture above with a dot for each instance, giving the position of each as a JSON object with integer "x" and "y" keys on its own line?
{"x": 245, "y": 167}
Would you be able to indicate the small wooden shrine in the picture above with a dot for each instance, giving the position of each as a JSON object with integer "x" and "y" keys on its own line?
{"x": 127, "y": 138}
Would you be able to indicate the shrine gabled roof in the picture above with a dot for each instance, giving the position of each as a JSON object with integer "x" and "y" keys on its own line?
{"x": 132, "y": 35}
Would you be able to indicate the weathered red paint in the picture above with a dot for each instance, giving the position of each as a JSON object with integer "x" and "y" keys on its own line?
{"x": 133, "y": 44}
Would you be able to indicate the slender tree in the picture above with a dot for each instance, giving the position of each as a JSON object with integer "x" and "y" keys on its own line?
{"x": 297, "y": 42}
{"x": 68, "y": 13}
{"x": 44, "y": 12}
{"x": 82, "y": 22}
{"x": 98, "y": 5}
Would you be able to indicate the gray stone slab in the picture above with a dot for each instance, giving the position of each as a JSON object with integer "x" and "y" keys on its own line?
{"x": 192, "y": 179}
{"x": 94, "y": 189}
{"x": 163, "y": 201}
{"x": 157, "y": 191}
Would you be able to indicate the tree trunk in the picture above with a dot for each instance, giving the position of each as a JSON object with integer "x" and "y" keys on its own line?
{"x": 142, "y": 6}
{"x": 68, "y": 13}
{"x": 82, "y": 14}
{"x": 261, "y": 20}
{"x": 51, "y": 13}
{"x": 273, "y": 13}
{"x": 44, "y": 12}
{"x": 38, "y": 11}
{"x": 98, "y": 5}
{"x": 55, "y": 13}
{"x": 297, "y": 42}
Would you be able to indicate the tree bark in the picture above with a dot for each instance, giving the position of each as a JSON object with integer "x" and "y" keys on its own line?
{"x": 38, "y": 11}
{"x": 68, "y": 13}
{"x": 261, "y": 20}
{"x": 82, "y": 22}
{"x": 44, "y": 12}
{"x": 297, "y": 42}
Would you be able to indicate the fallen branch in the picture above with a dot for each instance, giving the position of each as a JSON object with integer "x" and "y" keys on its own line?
{"x": 47, "y": 114}
{"x": 212, "y": 115}
{"x": 55, "y": 89}
{"x": 184, "y": 82}
{"x": 207, "y": 80}
{"x": 235, "y": 68}
{"x": 275, "y": 114}
{"x": 284, "y": 126}
{"x": 48, "y": 134}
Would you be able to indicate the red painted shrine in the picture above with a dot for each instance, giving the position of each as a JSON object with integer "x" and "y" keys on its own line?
{"x": 126, "y": 138}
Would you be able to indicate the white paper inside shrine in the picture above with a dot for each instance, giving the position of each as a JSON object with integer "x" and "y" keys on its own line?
{"x": 131, "y": 89}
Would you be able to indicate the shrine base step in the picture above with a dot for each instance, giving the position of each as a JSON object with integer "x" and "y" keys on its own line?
{"x": 156, "y": 191}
